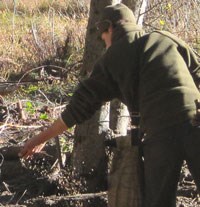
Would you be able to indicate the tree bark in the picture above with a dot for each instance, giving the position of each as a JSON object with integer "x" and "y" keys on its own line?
{"x": 138, "y": 7}
{"x": 89, "y": 157}
{"x": 119, "y": 118}
{"x": 94, "y": 46}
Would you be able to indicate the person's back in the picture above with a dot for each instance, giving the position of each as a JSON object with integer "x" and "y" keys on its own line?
{"x": 167, "y": 91}
{"x": 167, "y": 94}
{"x": 153, "y": 74}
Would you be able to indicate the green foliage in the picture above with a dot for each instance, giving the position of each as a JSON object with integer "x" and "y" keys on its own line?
{"x": 66, "y": 146}
{"x": 44, "y": 116}
{"x": 30, "y": 107}
{"x": 31, "y": 89}
{"x": 70, "y": 94}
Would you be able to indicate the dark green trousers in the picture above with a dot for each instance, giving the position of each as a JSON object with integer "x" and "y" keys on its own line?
{"x": 164, "y": 153}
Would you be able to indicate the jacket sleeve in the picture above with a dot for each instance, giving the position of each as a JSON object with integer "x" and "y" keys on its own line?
{"x": 89, "y": 96}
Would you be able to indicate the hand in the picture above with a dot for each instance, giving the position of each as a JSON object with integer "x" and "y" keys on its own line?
{"x": 36, "y": 144}
{"x": 30, "y": 147}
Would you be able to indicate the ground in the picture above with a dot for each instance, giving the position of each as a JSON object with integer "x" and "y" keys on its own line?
{"x": 40, "y": 182}
{"x": 47, "y": 179}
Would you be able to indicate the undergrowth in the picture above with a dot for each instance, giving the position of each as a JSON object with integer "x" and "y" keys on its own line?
{"x": 35, "y": 33}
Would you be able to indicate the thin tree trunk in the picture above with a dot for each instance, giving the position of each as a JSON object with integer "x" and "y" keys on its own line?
{"x": 94, "y": 47}
{"x": 138, "y": 7}
{"x": 119, "y": 118}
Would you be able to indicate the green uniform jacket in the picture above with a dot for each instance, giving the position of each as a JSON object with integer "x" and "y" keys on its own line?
{"x": 150, "y": 74}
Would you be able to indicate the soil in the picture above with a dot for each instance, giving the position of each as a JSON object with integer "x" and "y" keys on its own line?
{"x": 40, "y": 182}
{"x": 44, "y": 180}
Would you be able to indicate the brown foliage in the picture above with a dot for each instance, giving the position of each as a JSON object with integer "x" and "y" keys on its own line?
{"x": 179, "y": 17}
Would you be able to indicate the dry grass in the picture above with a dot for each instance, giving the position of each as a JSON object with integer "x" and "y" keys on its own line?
{"x": 37, "y": 32}
{"x": 179, "y": 17}
{"x": 70, "y": 7}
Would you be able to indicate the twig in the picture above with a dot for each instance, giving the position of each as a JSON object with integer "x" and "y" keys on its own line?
{"x": 21, "y": 112}
{"x": 53, "y": 66}
{"x": 12, "y": 197}
{"x": 53, "y": 27}
{"x": 85, "y": 196}
{"x": 60, "y": 107}
{"x": 59, "y": 152}
{"x": 54, "y": 164}
{"x": 5, "y": 124}
{"x": 33, "y": 27}
{"x": 142, "y": 9}
{"x": 1, "y": 163}
{"x": 6, "y": 187}
{"x": 152, "y": 7}
{"x": 13, "y": 21}
{"x": 21, "y": 196}
{"x": 19, "y": 126}
{"x": 46, "y": 97}
{"x": 5, "y": 3}
{"x": 44, "y": 153}
{"x": 2, "y": 157}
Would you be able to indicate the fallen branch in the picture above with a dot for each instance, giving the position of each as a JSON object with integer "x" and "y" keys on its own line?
{"x": 85, "y": 196}
{"x": 20, "y": 126}
{"x": 58, "y": 201}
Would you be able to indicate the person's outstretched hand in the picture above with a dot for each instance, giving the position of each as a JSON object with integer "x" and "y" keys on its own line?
{"x": 36, "y": 144}
{"x": 30, "y": 147}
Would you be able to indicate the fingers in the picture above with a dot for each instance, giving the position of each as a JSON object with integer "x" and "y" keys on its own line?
{"x": 27, "y": 152}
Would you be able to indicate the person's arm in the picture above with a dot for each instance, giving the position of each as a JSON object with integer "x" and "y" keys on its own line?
{"x": 36, "y": 143}
{"x": 87, "y": 98}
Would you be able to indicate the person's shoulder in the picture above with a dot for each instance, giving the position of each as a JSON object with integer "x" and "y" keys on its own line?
{"x": 169, "y": 35}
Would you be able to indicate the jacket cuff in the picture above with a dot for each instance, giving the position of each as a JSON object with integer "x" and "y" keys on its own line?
{"x": 68, "y": 118}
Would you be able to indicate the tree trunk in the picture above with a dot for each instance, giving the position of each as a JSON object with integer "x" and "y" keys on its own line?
{"x": 138, "y": 7}
{"x": 134, "y": 5}
{"x": 93, "y": 44}
{"x": 89, "y": 157}
{"x": 119, "y": 118}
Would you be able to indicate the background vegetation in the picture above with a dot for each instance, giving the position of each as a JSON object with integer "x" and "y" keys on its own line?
{"x": 35, "y": 33}
{"x": 179, "y": 17}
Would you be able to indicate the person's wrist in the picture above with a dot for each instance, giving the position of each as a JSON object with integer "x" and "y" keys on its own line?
{"x": 37, "y": 140}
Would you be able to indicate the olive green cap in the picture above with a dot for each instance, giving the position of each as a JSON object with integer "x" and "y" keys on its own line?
{"x": 114, "y": 14}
